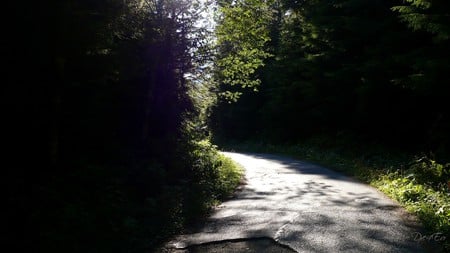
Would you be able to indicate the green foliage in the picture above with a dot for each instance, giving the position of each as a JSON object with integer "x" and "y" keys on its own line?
{"x": 429, "y": 172}
{"x": 347, "y": 66}
{"x": 230, "y": 176}
{"x": 431, "y": 205}
{"x": 216, "y": 174}
{"x": 212, "y": 178}
{"x": 242, "y": 34}
{"x": 426, "y": 15}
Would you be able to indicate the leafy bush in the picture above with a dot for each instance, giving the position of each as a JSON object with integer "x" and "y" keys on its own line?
{"x": 230, "y": 175}
{"x": 215, "y": 177}
{"x": 428, "y": 171}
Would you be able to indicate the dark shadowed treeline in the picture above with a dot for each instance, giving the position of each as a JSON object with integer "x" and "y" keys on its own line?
{"x": 105, "y": 150}
{"x": 374, "y": 70}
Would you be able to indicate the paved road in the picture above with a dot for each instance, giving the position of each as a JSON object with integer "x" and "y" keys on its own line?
{"x": 307, "y": 208}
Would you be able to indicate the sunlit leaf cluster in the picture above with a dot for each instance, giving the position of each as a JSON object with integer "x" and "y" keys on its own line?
{"x": 242, "y": 36}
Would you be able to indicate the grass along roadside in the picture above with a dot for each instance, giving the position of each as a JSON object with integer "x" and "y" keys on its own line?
{"x": 420, "y": 185}
{"x": 230, "y": 176}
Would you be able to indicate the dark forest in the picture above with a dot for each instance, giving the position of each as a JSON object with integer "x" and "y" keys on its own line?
{"x": 113, "y": 108}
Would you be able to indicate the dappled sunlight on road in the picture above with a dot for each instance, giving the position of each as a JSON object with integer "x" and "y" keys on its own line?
{"x": 308, "y": 208}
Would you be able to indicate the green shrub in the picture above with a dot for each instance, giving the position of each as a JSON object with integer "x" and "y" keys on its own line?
{"x": 214, "y": 177}
{"x": 230, "y": 175}
{"x": 428, "y": 171}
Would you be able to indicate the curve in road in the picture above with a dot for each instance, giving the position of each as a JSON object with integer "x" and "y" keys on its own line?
{"x": 308, "y": 208}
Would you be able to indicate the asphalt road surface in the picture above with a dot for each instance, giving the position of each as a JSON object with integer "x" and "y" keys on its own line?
{"x": 288, "y": 205}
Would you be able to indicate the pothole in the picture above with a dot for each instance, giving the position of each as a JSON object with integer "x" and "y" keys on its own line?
{"x": 259, "y": 245}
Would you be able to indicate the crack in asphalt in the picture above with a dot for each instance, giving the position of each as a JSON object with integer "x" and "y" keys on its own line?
{"x": 281, "y": 230}
{"x": 248, "y": 245}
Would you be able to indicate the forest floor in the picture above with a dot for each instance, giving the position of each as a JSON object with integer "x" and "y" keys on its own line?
{"x": 288, "y": 205}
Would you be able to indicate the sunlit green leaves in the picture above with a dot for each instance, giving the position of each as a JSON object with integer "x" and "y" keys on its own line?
{"x": 426, "y": 15}
{"x": 242, "y": 35}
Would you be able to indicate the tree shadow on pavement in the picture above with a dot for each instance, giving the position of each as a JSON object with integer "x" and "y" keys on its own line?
{"x": 308, "y": 208}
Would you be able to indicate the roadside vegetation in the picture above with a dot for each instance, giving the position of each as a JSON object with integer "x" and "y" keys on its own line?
{"x": 418, "y": 182}
{"x": 101, "y": 208}
{"x": 105, "y": 110}
{"x": 216, "y": 177}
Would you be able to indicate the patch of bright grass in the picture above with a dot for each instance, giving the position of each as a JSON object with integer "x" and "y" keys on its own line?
{"x": 216, "y": 177}
{"x": 230, "y": 175}
{"x": 432, "y": 206}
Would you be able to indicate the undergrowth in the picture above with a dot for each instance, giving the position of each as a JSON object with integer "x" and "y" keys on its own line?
{"x": 215, "y": 178}
{"x": 99, "y": 208}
